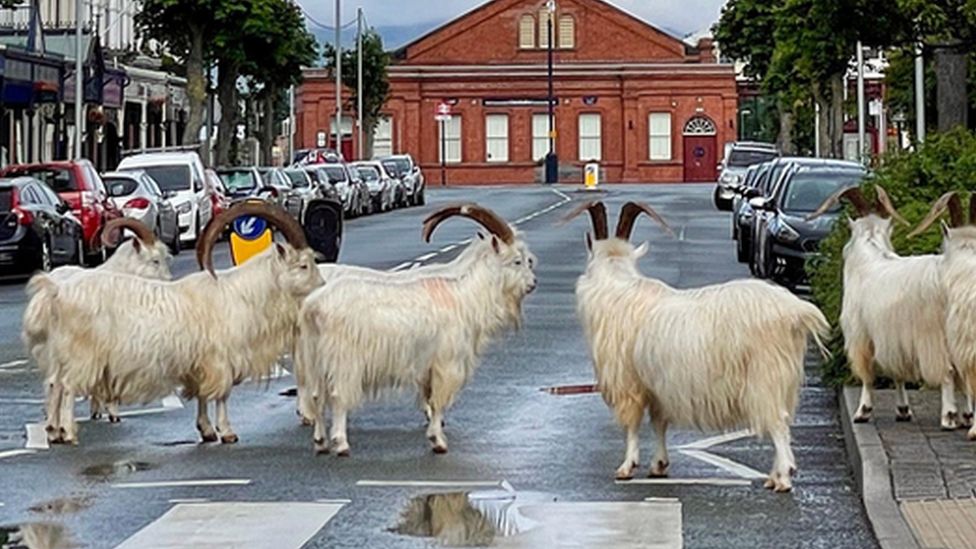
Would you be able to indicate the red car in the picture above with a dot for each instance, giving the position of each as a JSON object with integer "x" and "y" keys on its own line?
{"x": 79, "y": 185}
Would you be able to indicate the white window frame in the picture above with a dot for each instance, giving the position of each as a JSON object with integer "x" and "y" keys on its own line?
{"x": 659, "y": 136}
{"x": 496, "y": 137}
{"x": 452, "y": 141}
{"x": 383, "y": 137}
{"x": 590, "y": 143}
{"x": 540, "y": 136}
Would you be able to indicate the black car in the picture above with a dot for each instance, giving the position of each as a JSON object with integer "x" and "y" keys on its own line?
{"x": 37, "y": 229}
{"x": 784, "y": 238}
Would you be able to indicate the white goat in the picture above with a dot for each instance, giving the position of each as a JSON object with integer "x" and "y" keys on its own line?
{"x": 363, "y": 336}
{"x": 139, "y": 339}
{"x": 718, "y": 357}
{"x": 142, "y": 256}
{"x": 958, "y": 270}
{"x": 902, "y": 330}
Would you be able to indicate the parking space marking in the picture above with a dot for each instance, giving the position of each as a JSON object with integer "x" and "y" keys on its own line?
{"x": 189, "y": 500}
{"x": 16, "y": 452}
{"x": 36, "y": 437}
{"x": 733, "y": 467}
{"x": 717, "y": 481}
{"x": 706, "y": 443}
{"x": 432, "y": 483}
{"x": 235, "y": 524}
{"x": 182, "y": 483}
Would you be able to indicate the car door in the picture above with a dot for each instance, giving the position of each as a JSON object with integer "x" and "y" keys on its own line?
{"x": 47, "y": 221}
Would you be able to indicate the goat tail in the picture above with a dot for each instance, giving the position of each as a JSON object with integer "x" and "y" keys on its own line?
{"x": 41, "y": 311}
{"x": 811, "y": 321}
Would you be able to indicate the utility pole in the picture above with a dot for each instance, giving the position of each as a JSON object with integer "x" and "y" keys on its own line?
{"x": 359, "y": 83}
{"x": 816, "y": 129}
{"x": 291, "y": 125}
{"x": 861, "y": 137}
{"x": 338, "y": 77}
{"x": 552, "y": 161}
{"x": 919, "y": 94}
{"x": 79, "y": 78}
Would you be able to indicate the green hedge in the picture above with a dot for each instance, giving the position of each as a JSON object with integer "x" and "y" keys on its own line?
{"x": 914, "y": 180}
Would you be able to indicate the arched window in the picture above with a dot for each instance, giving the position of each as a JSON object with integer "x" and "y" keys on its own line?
{"x": 527, "y": 32}
{"x": 700, "y": 125}
{"x": 567, "y": 32}
{"x": 544, "y": 16}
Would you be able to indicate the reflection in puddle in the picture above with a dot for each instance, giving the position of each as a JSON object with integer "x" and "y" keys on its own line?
{"x": 35, "y": 535}
{"x": 60, "y": 506}
{"x": 463, "y": 519}
{"x": 104, "y": 471}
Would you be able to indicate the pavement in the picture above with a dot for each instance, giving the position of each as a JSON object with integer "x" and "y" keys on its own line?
{"x": 528, "y": 467}
{"x": 918, "y": 481}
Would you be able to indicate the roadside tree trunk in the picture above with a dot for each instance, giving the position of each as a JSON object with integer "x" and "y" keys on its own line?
{"x": 267, "y": 125}
{"x": 951, "y": 74}
{"x": 784, "y": 139}
{"x": 196, "y": 86}
{"x": 823, "y": 115}
{"x": 836, "y": 149}
{"x": 229, "y": 110}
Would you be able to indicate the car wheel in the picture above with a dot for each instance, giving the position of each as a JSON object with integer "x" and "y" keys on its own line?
{"x": 80, "y": 253}
{"x": 421, "y": 200}
{"x": 197, "y": 228}
{"x": 174, "y": 245}
{"x": 761, "y": 256}
{"x": 723, "y": 204}
{"x": 742, "y": 249}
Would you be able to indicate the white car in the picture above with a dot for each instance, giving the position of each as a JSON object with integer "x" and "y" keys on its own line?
{"x": 179, "y": 175}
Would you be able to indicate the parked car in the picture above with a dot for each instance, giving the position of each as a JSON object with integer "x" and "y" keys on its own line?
{"x": 353, "y": 193}
{"x": 382, "y": 190}
{"x": 246, "y": 182}
{"x": 138, "y": 196}
{"x": 738, "y": 158}
{"x": 287, "y": 198}
{"x": 304, "y": 157}
{"x": 182, "y": 174}
{"x": 306, "y": 189}
{"x": 219, "y": 200}
{"x": 784, "y": 239}
{"x": 79, "y": 185}
{"x": 37, "y": 228}
{"x": 406, "y": 170}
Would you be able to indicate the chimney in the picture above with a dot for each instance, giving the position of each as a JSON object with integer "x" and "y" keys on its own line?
{"x": 706, "y": 50}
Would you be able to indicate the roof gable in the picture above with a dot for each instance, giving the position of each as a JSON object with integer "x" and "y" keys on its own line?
{"x": 489, "y": 34}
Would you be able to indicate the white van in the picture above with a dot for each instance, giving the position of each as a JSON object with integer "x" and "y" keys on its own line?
{"x": 180, "y": 176}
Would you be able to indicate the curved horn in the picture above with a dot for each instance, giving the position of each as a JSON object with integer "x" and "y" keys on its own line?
{"x": 852, "y": 194}
{"x": 628, "y": 215}
{"x": 273, "y": 214}
{"x": 112, "y": 231}
{"x": 949, "y": 201}
{"x": 884, "y": 204}
{"x": 483, "y": 216}
{"x": 598, "y": 216}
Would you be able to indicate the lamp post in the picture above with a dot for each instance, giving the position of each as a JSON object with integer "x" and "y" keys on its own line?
{"x": 338, "y": 77}
{"x": 79, "y": 79}
{"x": 552, "y": 161}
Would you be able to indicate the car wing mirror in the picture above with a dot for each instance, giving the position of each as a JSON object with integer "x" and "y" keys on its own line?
{"x": 759, "y": 203}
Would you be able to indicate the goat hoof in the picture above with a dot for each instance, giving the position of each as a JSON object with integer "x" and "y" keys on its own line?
{"x": 769, "y": 484}
{"x": 950, "y": 421}
{"x": 306, "y": 422}
{"x": 208, "y": 437}
{"x": 903, "y": 415}
{"x": 440, "y": 449}
{"x": 971, "y": 435}
{"x": 229, "y": 439}
{"x": 792, "y": 471}
{"x": 967, "y": 420}
{"x": 782, "y": 488}
{"x": 114, "y": 419}
{"x": 321, "y": 447}
{"x": 862, "y": 418}
{"x": 49, "y": 428}
{"x": 659, "y": 470}
{"x": 95, "y": 416}
{"x": 343, "y": 453}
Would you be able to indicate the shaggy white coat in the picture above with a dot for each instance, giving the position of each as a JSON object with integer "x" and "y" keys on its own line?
{"x": 719, "y": 357}
{"x": 959, "y": 279}
{"x": 359, "y": 337}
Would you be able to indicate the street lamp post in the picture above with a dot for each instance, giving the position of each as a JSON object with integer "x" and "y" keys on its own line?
{"x": 552, "y": 161}
{"x": 338, "y": 77}
{"x": 79, "y": 79}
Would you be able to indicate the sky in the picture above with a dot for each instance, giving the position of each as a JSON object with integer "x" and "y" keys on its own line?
{"x": 399, "y": 21}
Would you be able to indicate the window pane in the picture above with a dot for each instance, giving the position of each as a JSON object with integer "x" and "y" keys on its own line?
{"x": 527, "y": 32}
{"x": 567, "y": 32}
{"x": 496, "y": 137}
{"x": 544, "y": 29}
{"x": 383, "y": 137}
{"x": 590, "y": 146}
{"x": 540, "y": 136}
{"x": 452, "y": 138}
{"x": 659, "y": 132}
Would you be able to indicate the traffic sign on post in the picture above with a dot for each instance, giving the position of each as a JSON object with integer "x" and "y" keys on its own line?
{"x": 250, "y": 236}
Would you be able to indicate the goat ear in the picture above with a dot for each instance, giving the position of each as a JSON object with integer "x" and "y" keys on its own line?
{"x": 641, "y": 250}
{"x": 280, "y": 249}
{"x": 945, "y": 228}
{"x": 495, "y": 244}
{"x": 850, "y": 222}
{"x": 589, "y": 241}
{"x": 137, "y": 244}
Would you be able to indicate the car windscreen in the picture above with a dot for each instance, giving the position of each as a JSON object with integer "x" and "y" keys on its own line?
{"x": 742, "y": 158}
{"x": 238, "y": 180}
{"x": 397, "y": 166}
{"x": 297, "y": 179}
{"x": 120, "y": 186}
{"x": 59, "y": 179}
{"x": 368, "y": 173}
{"x": 170, "y": 178}
{"x": 806, "y": 191}
{"x": 336, "y": 174}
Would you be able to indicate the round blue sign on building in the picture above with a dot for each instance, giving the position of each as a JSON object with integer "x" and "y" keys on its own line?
{"x": 249, "y": 227}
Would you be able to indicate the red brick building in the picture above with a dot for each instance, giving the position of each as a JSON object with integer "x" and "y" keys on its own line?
{"x": 642, "y": 103}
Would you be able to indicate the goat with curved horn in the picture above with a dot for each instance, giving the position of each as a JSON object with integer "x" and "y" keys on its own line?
{"x": 112, "y": 232}
{"x": 274, "y": 215}
{"x": 851, "y": 194}
{"x": 598, "y": 216}
{"x": 883, "y": 204}
{"x": 628, "y": 215}
{"x": 949, "y": 201}
{"x": 479, "y": 214}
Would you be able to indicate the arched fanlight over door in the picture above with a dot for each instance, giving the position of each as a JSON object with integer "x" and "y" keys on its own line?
{"x": 700, "y": 125}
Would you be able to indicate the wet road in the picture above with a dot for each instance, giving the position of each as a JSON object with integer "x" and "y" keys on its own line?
{"x": 506, "y": 434}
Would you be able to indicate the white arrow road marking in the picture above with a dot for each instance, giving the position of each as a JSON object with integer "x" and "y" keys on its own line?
{"x": 688, "y": 481}
{"x": 235, "y": 524}
{"x": 706, "y": 443}
{"x": 432, "y": 483}
{"x": 180, "y": 483}
{"x": 733, "y": 467}
{"x": 16, "y": 452}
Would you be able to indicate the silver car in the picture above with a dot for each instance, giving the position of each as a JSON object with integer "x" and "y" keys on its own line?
{"x": 382, "y": 193}
{"x": 138, "y": 196}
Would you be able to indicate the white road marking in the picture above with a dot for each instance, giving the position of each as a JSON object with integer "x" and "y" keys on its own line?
{"x": 17, "y": 452}
{"x": 143, "y": 412}
{"x": 446, "y": 249}
{"x": 334, "y": 500}
{"x": 172, "y": 402}
{"x": 401, "y": 266}
{"x": 179, "y": 483}
{"x": 36, "y": 437}
{"x": 688, "y": 481}
{"x": 235, "y": 524}
{"x": 189, "y": 500}
{"x": 737, "y": 469}
{"x": 21, "y": 401}
{"x": 425, "y": 257}
{"x": 13, "y": 363}
{"x": 716, "y": 440}
{"x": 414, "y": 265}
{"x": 431, "y": 483}
{"x": 681, "y": 234}
{"x": 564, "y": 196}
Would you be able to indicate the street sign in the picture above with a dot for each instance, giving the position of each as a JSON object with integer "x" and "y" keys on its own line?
{"x": 443, "y": 109}
{"x": 250, "y": 236}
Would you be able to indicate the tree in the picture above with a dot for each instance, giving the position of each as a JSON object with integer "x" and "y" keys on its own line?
{"x": 376, "y": 84}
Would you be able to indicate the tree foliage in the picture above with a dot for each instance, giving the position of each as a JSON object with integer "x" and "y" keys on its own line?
{"x": 376, "y": 84}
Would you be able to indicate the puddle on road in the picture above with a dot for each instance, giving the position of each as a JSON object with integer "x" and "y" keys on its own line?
{"x": 107, "y": 471}
{"x": 35, "y": 535}
{"x": 60, "y": 506}
{"x": 467, "y": 519}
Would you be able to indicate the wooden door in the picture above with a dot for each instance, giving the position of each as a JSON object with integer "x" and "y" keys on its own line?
{"x": 700, "y": 158}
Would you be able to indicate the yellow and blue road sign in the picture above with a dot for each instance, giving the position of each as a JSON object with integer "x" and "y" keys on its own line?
{"x": 250, "y": 235}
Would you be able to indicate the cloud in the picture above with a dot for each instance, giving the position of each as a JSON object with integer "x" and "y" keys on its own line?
{"x": 680, "y": 16}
